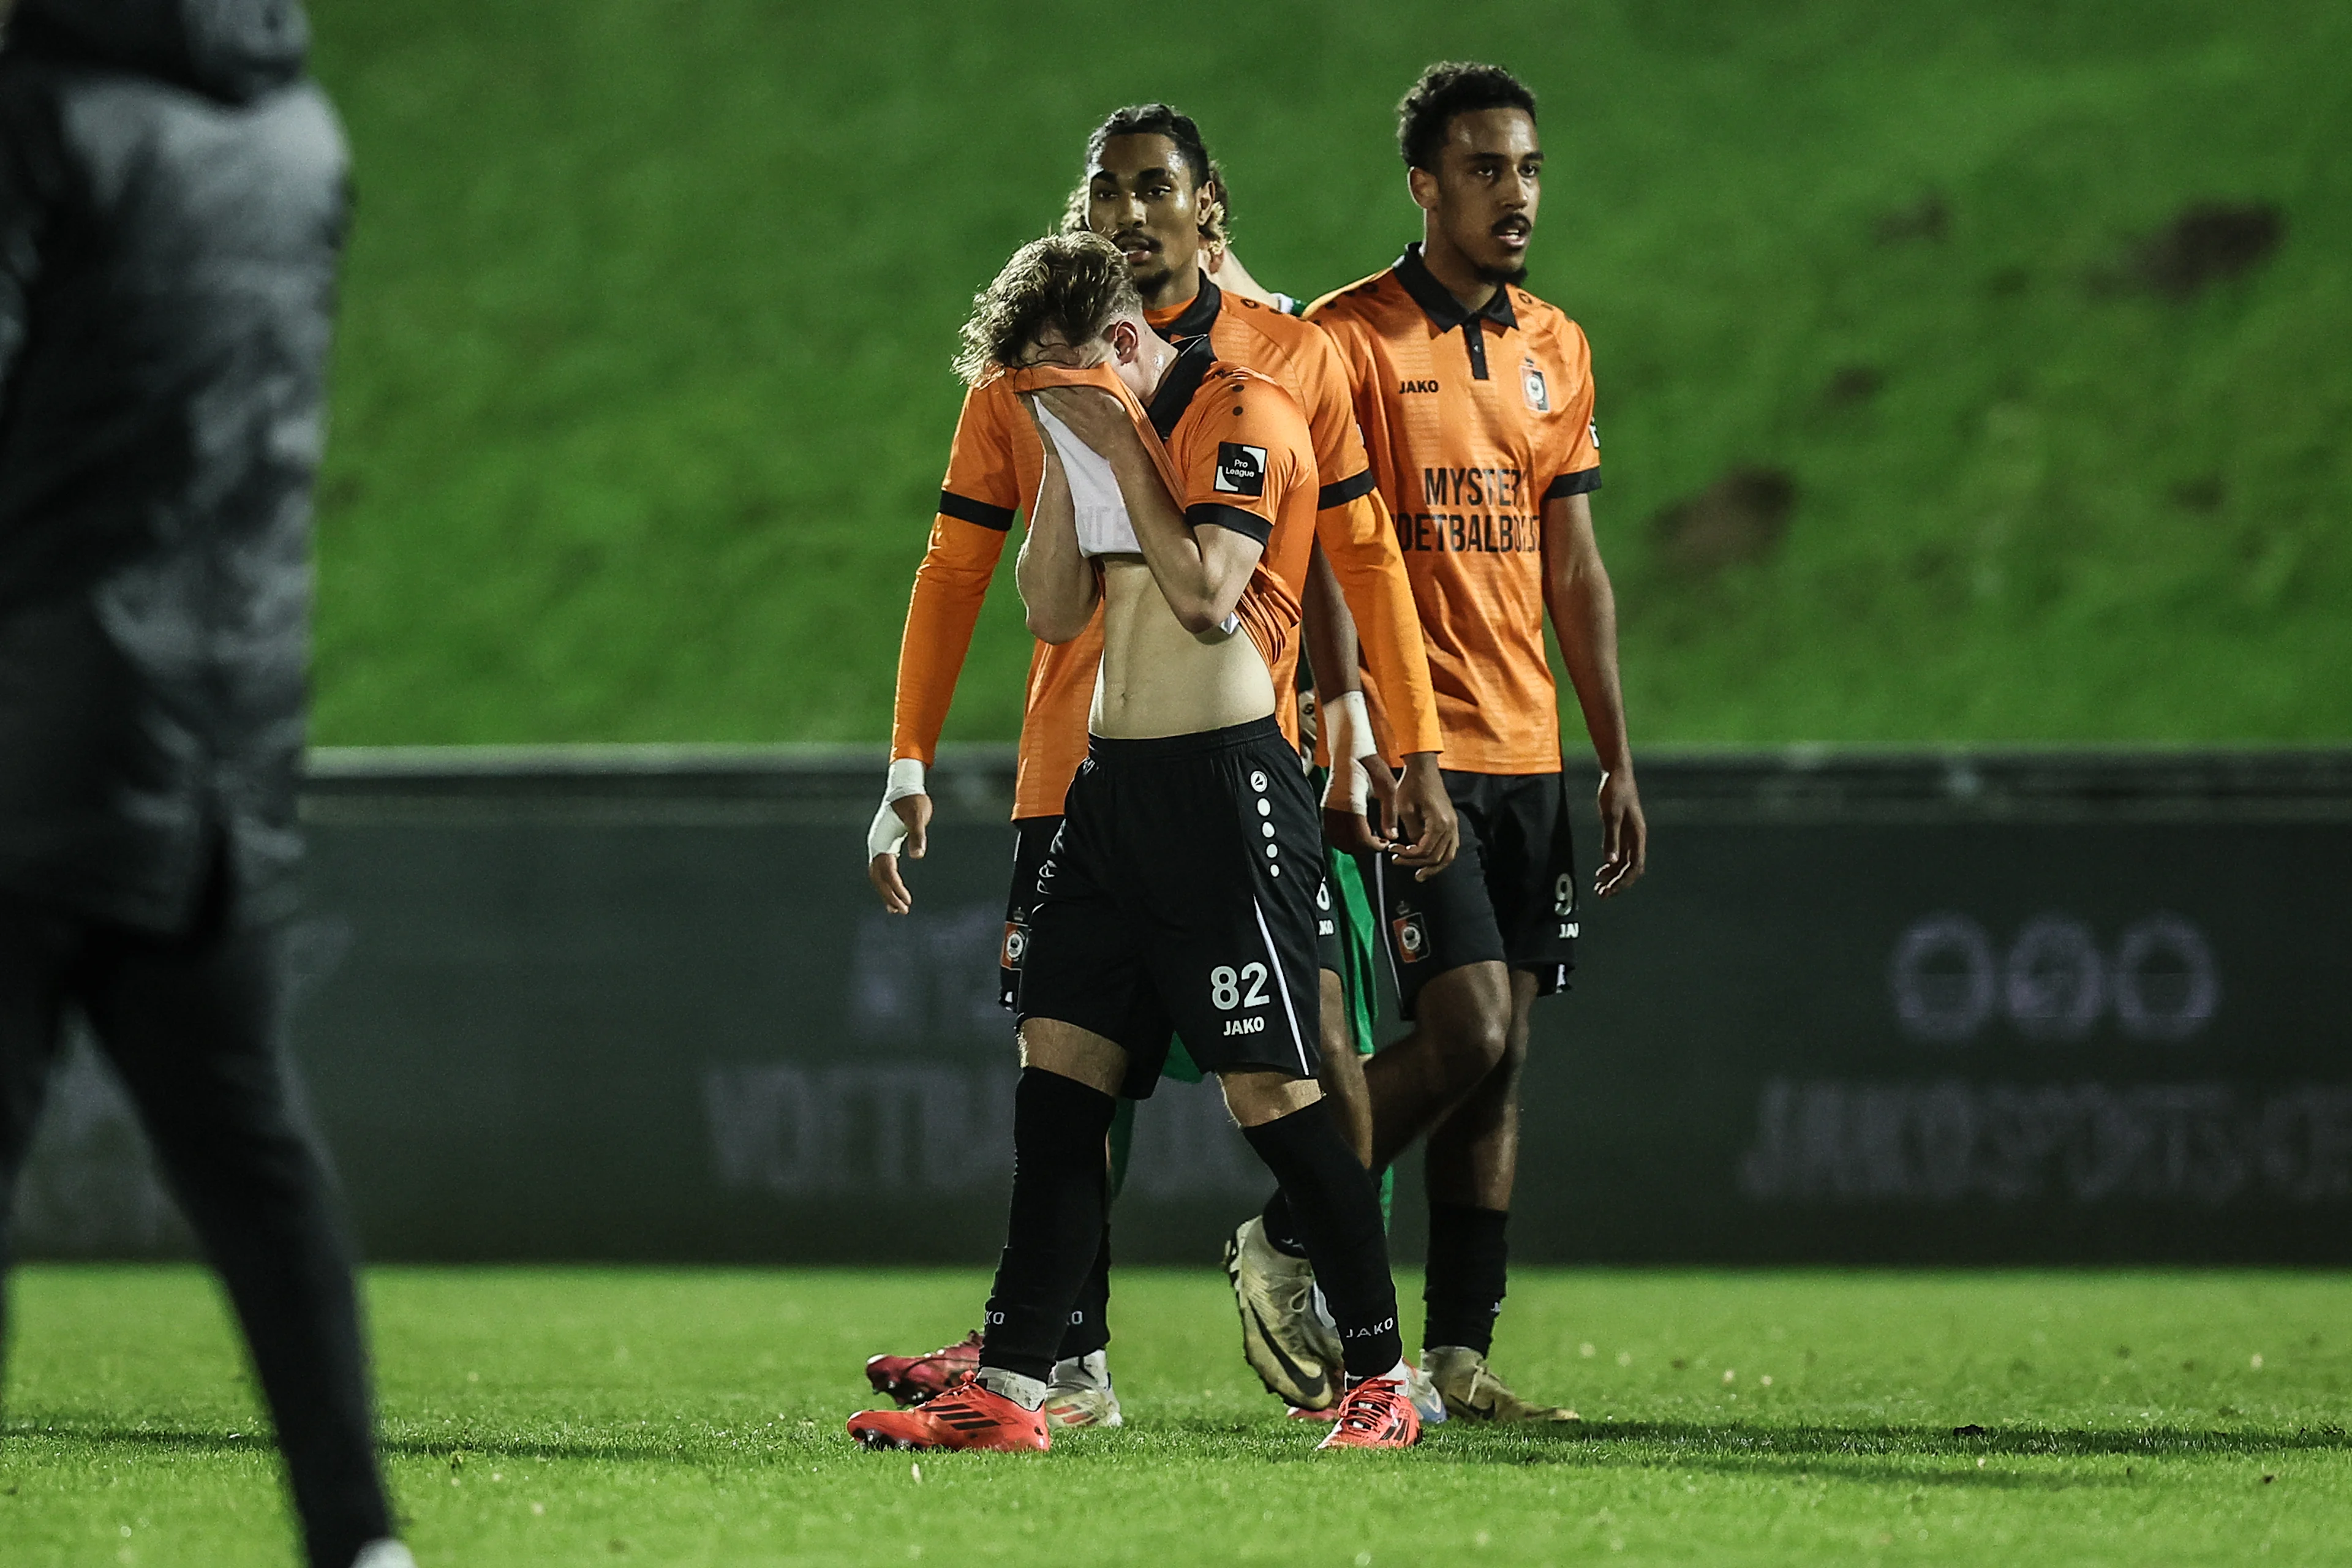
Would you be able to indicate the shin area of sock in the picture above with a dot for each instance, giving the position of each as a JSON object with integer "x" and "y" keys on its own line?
{"x": 1337, "y": 1210}
{"x": 1469, "y": 1266}
{"x": 1281, "y": 1226}
{"x": 1053, "y": 1233}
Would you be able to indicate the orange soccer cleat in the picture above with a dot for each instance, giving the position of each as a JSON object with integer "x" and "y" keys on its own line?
{"x": 911, "y": 1379}
{"x": 1375, "y": 1414}
{"x": 967, "y": 1415}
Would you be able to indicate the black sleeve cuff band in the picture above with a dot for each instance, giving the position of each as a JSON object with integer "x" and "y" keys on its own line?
{"x": 1216, "y": 514}
{"x": 1584, "y": 482}
{"x": 967, "y": 509}
{"x": 1344, "y": 492}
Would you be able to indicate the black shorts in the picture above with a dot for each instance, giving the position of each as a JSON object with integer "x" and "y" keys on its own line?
{"x": 1182, "y": 891}
{"x": 1033, "y": 838}
{"x": 1509, "y": 896}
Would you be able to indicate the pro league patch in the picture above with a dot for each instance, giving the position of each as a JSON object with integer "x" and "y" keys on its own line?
{"x": 1241, "y": 470}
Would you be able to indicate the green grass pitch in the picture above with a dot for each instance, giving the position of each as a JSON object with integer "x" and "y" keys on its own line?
{"x": 580, "y": 1415}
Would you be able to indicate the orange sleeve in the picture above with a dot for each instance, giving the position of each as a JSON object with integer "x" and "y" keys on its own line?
{"x": 1245, "y": 461}
{"x": 1242, "y": 462}
{"x": 1575, "y": 461}
{"x": 1360, "y": 541}
{"x": 977, "y": 505}
{"x": 1344, "y": 332}
{"x": 1352, "y": 525}
{"x": 1342, "y": 470}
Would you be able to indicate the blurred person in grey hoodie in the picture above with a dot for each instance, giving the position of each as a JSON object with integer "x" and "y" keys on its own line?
{"x": 172, "y": 202}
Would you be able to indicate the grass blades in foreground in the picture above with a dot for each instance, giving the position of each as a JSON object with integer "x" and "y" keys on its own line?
{"x": 580, "y": 1415}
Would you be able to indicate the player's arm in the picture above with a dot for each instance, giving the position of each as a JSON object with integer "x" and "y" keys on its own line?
{"x": 1057, "y": 583}
{"x": 1353, "y": 534}
{"x": 1357, "y": 777}
{"x": 976, "y": 510}
{"x": 1584, "y": 613}
{"x": 1199, "y": 572}
{"x": 1369, "y": 573}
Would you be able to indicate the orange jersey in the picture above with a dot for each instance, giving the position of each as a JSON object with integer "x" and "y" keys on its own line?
{"x": 1474, "y": 422}
{"x": 1351, "y": 523}
{"x": 993, "y": 471}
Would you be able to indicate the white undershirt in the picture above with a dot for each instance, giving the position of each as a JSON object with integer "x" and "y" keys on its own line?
{"x": 1104, "y": 527}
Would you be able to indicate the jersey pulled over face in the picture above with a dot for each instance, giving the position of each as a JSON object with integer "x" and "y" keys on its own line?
{"x": 1473, "y": 421}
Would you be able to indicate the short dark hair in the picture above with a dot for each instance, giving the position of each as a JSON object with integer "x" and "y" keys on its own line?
{"x": 1075, "y": 283}
{"x": 1159, "y": 120}
{"x": 1448, "y": 89}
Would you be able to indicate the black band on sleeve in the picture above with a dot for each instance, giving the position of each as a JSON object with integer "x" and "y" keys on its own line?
{"x": 1584, "y": 481}
{"x": 1344, "y": 492}
{"x": 1217, "y": 514}
{"x": 967, "y": 509}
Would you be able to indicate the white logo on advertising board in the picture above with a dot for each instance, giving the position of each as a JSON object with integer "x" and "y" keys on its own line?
{"x": 2054, "y": 980}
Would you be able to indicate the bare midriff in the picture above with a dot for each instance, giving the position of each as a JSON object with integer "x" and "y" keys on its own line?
{"x": 1157, "y": 678}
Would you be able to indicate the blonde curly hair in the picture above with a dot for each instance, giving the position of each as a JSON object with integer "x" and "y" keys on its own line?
{"x": 1075, "y": 284}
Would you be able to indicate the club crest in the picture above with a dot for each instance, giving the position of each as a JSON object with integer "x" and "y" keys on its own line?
{"x": 1538, "y": 390}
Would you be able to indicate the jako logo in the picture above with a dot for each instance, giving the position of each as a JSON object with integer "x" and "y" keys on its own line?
{"x": 2054, "y": 982}
{"x": 1253, "y": 1025}
{"x": 1406, "y": 388}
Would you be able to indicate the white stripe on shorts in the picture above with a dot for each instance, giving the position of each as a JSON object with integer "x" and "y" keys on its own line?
{"x": 1282, "y": 983}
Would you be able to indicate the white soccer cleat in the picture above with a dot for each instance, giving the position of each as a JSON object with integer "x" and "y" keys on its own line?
{"x": 1422, "y": 1389}
{"x": 1080, "y": 1394}
{"x": 385, "y": 1553}
{"x": 1294, "y": 1355}
{"x": 1474, "y": 1394}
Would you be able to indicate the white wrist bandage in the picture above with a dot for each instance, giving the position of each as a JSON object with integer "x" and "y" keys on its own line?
{"x": 888, "y": 836}
{"x": 1353, "y": 717}
{"x": 906, "y": 779}
{"x": 1349, "y": 732}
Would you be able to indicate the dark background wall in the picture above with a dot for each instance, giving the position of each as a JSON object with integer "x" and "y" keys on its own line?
{"x": 639, "y": 1004}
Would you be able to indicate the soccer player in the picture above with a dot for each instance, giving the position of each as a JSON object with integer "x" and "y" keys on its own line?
{"x": 1152, "y": 187}
{"x": 1181, "y": 887}
{"x": 1477, "y": 403}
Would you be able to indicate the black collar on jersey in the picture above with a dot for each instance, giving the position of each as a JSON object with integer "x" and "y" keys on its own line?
{"x": 1177, "y": 386}
{"x": 1445, "y": 312}
{"x": 1198, "y": 317}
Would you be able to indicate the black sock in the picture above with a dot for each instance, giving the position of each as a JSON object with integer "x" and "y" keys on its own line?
{"x": 1468, "y": 1266}
{"x": 1282, "y": 1227}
{"x": 1336, "y": 1206}
{"x": 1089, "y": 1320}
{"x": 1055, "y": 1231}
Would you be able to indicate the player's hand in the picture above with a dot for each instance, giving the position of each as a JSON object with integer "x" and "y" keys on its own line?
{"x": 914, "y": 811}
{"x": 1354, "y": 809}
{"x": 1424, "y": 818}
{"x": 1094, "y": 417}
{"x": 1625, "y": 835}
{"x": 1053, "y": 453}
